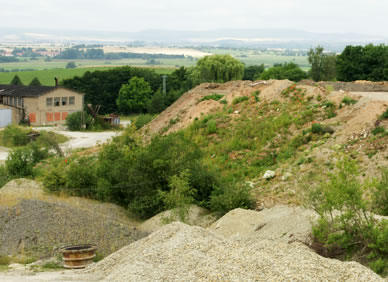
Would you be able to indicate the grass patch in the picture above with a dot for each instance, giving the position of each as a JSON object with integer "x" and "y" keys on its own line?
{"x": 213, "y": 96}
{"x": 238, "y": 100}
{"x": 348, "y": 101}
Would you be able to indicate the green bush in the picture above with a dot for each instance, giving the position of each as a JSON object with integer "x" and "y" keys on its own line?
{"x": 384, "y": 115}
{"x": 142, "y": 120}
{"x": 318, "y": 128}
{"x": 14, "y": 135}
{"x": 378, "y": 130}
{"x": 345, "y": 226}
{"x": 75, "y": 121}
{"x": 239, "y": 100}
{"x": 230, "y": 197}
{"x": 213, "y": 96}
{"x": 4, "y": 177}
{"x": 211, "y": 126}
{"x": 380, "y": 195}
{"x": 348, "y": 101}
{"x": 20, "y": 163}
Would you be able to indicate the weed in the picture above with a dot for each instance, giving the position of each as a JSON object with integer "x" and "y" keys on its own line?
{"x": 239, "y": 100}
{"x": 255, "y": 94}
{"x": 384, "y": 115}
{"x": 52, "y": 265}
{"x": 378, "y": 130}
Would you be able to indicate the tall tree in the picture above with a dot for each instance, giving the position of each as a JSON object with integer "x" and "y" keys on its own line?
{"x": 16, "y": 80}
{"x": 323, "y": 66}
{"x": 35, "y": 82}
{"x": 217, "y": 68}
{"x": 253, "y": 72}
{"x": 289, "y": 71}
{"x": 134, "y": 96}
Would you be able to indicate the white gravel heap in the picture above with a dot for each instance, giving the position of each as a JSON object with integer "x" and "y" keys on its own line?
{"x": 179, "y": 252}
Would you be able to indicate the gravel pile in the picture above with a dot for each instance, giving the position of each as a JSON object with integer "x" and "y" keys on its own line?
{"x": 178, "y": 252}
{"x": 37, "y": 228}
{"x": 287, "y": 224}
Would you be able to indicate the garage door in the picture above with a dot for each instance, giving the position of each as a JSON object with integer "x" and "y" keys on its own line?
{"x": 5, "y": 117}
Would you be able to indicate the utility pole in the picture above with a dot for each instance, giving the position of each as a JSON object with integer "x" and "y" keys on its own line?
{"x": 164, "y": 84}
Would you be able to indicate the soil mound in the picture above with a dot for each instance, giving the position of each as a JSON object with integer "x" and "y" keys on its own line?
{"x": 287, "y": 224}
{"x": 189, "y": 106}
{"x": 37, "y": 228}
{"x": 178, "y": 252}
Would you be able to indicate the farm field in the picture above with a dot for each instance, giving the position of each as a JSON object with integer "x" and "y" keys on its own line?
{"x": 46, "y": 77}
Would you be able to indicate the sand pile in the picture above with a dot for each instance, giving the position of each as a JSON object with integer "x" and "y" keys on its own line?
{"x": 178, "y": 252}
{"x": 287, "y": 224}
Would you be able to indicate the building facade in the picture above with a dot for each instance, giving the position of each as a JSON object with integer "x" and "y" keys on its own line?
{"x": 40, "y": 105}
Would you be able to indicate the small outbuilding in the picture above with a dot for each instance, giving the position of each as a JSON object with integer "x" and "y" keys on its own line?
{"x": 39, "y": 105}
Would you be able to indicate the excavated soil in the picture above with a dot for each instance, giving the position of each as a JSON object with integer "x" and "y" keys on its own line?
{"x": 178, "y": 252}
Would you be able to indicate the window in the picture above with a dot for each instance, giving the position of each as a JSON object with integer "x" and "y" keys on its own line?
{"x": 49, "y": 102}
{"x": 19, "y": 102}
{"x": 64, "y": 101}
{"x": 57, "y": 102}
{"x": 71, "y": 100}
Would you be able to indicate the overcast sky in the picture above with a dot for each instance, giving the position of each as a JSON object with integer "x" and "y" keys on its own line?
{"x": 368, "y": 16}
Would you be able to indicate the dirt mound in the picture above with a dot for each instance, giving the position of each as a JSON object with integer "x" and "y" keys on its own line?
{"x": 35, "y": 223}
{"x": 197, "y": 216}
{"x": 178, "y": 252}
{"x": 282, "y": 223}
{"x": 37, "y": 228}
{"x": 189, "y": 106}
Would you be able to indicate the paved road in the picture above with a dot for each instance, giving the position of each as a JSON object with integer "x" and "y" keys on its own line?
{"x": 78, "y": 140}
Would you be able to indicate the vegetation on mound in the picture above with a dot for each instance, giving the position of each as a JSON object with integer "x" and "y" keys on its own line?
{"x": 346, "y": 227}
{"x": 146, "y": 179}
{"x": 27, "y": 152}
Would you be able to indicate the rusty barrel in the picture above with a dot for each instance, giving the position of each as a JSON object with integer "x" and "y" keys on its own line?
{"x": 78, "y": 256}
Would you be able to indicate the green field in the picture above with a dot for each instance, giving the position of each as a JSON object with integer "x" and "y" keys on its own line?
{"x": 46, "y": 77}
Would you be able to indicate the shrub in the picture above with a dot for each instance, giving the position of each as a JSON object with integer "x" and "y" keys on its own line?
{"x": 348, "y": 101}
{"x": 20, "y": 163}
{"x": 378, "y": 130}
{"x": 380, "y": 195}
{"x": 180, "y": 197}
{"x": 213, "y": 96}
{"x": 14, "y": 135}
{"x": 211, "y": 126}
{"x": 142, "y": 120}
{"x": 384, "y": 115}
{"x": 318, "y": 128}
{"x": 74, "y": 121}
{"x": 345, "y": 225}
{"x": 4, "y": 177}
{"x": 239, "y": 100}
{"x": 230, "y": 197}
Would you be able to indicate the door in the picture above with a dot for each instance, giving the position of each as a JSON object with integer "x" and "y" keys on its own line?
{"x": 5, "y": 117}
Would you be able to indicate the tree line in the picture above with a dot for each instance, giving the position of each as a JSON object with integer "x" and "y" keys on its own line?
{"x": 98, "y": 54}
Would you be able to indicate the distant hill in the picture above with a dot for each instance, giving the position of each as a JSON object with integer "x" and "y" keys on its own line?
{"x": 253, "y": 38}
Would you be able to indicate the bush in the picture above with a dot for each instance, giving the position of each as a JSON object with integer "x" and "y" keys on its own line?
{"x": 318, "y": 128}
{"x": 231, "y": 197}
{"x": 345, "y": 226}
{"x": 20, "y": 163}
{"x": 378, "y": 130}
{"x": 142, "y": 120}
{"x": 74, "y": 121}
{"x": 213, "y": 96}
{"x": 348, "y": 101}
{"x": 239, "y": 100}
{"x": 380, "y": 195}
{"x": 4, "y": 177}
{"x": 384, "y": 115}
{"x": 14, "y": 135}
{"x": 211, "y": 126}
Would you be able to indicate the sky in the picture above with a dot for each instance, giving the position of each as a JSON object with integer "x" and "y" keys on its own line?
{"x": 329, "y": 16}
